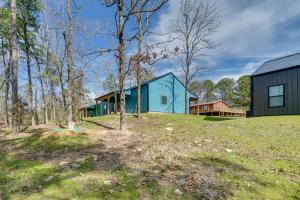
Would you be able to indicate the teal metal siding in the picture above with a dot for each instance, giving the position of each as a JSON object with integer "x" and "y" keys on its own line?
{"x": 157, "y": 89}
{"x": 171, "y": 87}
{"x": 151, "y": 94}
{"x": 131, "y": 100}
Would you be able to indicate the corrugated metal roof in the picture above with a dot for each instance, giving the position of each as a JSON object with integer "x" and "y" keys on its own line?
{"x": 279, "y": 64}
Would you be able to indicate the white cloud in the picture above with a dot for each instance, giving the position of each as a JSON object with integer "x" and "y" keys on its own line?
{"x": 247, "y": 70}
{"x": 251, "y": 30}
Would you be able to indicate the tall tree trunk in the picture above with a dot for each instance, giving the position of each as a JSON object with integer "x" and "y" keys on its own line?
{"x": 14, "y": 66}
{"x": 43, "y": 90}
{"x": 47, "y": 58}
{"x": 27, "y": 51}
{"x": 187, "y": 73}
{"x": 186, "y": 100}
{"x": 121, "y": 62}
{"x": 70, "y": 64}
{"x": 138, "y": 65}
{"x": 52, "y": 103}
{"x": 61, "y": 83}
{"x": 36, "y": 107}
{"x": 6, "y": 81}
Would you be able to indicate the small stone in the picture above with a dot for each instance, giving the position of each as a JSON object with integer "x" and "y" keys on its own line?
{"x": 107, "y": 183}
{"x": 75, "y": 165}
{"x": 95, "y": 157}
{"x": 49, "y": 178}
{"x": 207, "y": 140}
{"x": 169, "y": 129}
{"x": 63, "y": 163}
{"x": 139, "y": 150}
{"x": 228, "y": 150}
{"x": 177, "y": 191}
{"x": 80, "y": 160}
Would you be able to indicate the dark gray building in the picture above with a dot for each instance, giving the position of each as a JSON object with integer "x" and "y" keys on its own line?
{"x": 275, "y": 87}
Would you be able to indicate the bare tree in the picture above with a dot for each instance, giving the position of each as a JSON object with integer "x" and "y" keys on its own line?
{"x": 14, "y": 67}
{"x": 197, "y": 20}
{"x": 70, "y": 63}
{"x": 142, "y": 19}
{"x": 5, "y": 54}
{"x": 125, "y": 10}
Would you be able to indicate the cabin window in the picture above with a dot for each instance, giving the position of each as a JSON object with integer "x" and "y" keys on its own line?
{"x": 205, "y": 107}
{"x": 164, "y": 100}
{"x": 276, "y": 96}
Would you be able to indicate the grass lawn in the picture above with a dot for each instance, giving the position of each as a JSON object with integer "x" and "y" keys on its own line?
{"x": 159, "y": 156}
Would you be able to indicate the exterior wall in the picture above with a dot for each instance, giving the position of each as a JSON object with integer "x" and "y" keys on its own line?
{"x": 220, "y": 105}
{"x": 291, "y": 80}
{"x": 211, "y": 107}
{"x": 131, "y": 100}
{"x": 171, "y": 87}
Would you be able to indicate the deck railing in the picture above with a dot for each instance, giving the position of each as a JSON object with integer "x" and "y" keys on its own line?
{"x": 194, "y": 110}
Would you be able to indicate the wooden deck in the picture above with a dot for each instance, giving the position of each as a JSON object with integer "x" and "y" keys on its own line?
{"x": 231, "y": 112}
{"x": 217, "y": 108}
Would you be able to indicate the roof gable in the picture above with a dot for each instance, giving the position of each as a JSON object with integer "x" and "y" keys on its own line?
{"x": 278, "y": 64}
{"x": 150, "y": 81}
{"x": 170, "y": 73}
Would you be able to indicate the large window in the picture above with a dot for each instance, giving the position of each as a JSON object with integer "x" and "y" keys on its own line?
{"x": 276, "y": 96}
{"x": 205, "y": 107}
{"x": 164, "y": 100}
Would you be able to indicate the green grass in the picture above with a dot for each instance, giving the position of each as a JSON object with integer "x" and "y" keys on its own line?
{"x": 239, "y": 158}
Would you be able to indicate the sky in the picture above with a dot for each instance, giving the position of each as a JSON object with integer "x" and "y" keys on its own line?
{"x": 250, "y": 33}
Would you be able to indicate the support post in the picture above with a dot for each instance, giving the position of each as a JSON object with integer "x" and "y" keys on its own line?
{"x": 116, "y": 103}
{"x": 108, "y": 106}
{"x": 198, "y": 109}
{"x": 96, "y": 107}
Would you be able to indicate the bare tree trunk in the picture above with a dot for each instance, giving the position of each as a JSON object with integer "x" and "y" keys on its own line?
{"x": 27, "y": 51}
{"x": 186, "y": 100}
{"x": 187, "y": 72}
{"x": 6, "y": 81}
{"x": 47, "y": 60}
{"x": 43, "y": 90}
{"x": 61, "y": 83}
{"x": 121, "y": 63}
{"x": 14, "y": 66}
{"x": 36, "y": 107}
{"x": 70, "y": 64}
{"x": 138, "y": 65}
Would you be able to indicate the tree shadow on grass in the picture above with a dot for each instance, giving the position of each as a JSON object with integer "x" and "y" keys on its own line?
{"x": 218, "y": 119}
{"x": 99, "y": 124}
{"x": 236, "y": 172}
{"x": 36, "y": 165}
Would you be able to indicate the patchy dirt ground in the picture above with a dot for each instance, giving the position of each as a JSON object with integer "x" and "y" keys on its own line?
{"x": 156, "y": 157}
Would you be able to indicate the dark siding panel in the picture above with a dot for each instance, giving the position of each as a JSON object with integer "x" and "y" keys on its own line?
{"x": 294, "y": 90}
{"x": 290, "y": 92}
{"x": 290, "y": 78}
{"x": 284, "y": 76}
{"x": 298, "y": 91}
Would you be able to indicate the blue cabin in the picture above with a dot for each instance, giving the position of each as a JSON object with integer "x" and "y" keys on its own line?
{"x": 163, "y": 94}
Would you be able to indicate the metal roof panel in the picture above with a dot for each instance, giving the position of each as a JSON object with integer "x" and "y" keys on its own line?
{"x": 278, "y": 64}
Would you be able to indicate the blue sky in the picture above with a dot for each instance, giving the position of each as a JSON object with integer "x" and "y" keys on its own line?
{"x": 250, "y": 33}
